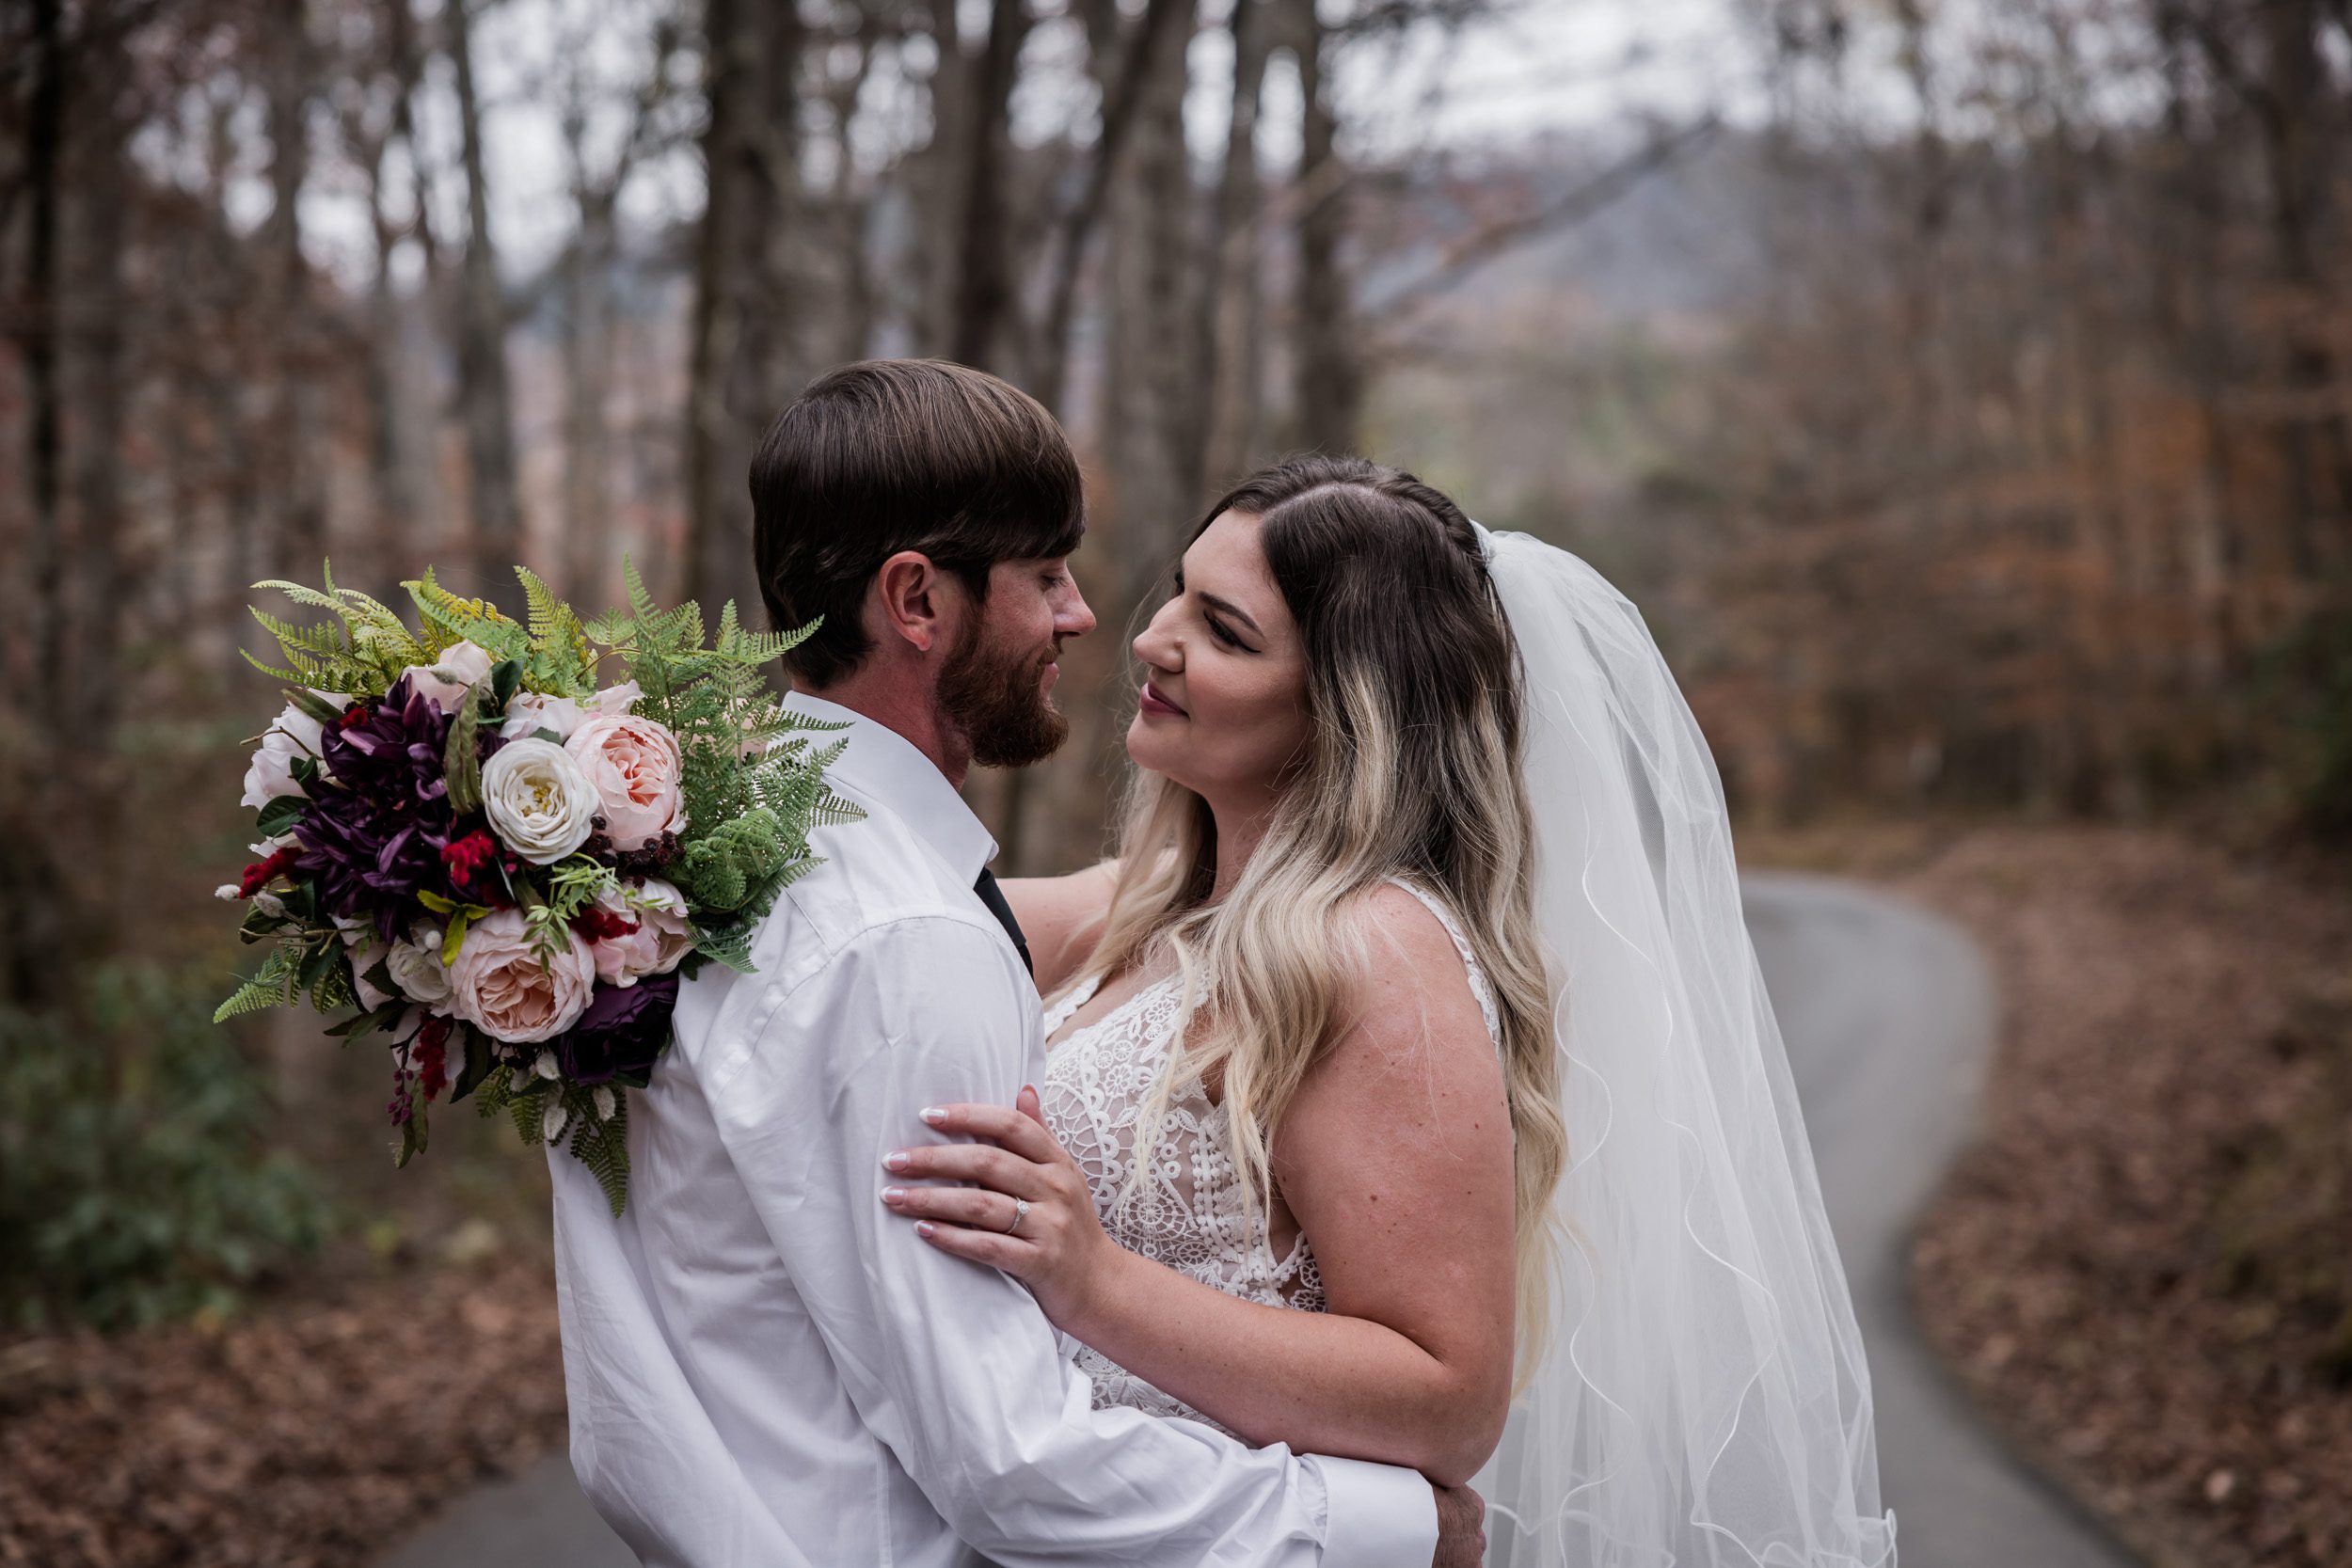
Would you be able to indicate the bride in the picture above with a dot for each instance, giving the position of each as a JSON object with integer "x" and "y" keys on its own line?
{"x": 1414, "y": 1095}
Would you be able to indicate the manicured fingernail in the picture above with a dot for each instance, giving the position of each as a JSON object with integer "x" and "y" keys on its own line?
{"x": 894, "y": 1194}
{"x": 933, "y": 1114}
{"x": 895, "y": 1162}
{"x": 924, "y": 1228}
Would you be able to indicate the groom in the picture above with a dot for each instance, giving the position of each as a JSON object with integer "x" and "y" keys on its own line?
{"x": 764, "y": 1367}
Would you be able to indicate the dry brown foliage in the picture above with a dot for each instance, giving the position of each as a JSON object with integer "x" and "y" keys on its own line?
{"x": 314, "y": 1435}
{"x": 2142, "y": 1268}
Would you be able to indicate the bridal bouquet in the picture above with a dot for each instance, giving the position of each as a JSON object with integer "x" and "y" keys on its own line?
{"x": 506, "y": 866}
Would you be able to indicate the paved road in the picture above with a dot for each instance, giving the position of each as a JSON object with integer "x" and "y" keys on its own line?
{"x": 1889, "y": 1014}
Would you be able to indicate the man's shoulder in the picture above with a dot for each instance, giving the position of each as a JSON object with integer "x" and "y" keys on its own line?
{"x": 877, "y": 881}
{"x": 882, "y": 917}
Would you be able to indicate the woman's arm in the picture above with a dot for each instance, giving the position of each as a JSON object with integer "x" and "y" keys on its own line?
{"x": 1061, "y": 917}
{"x": 1395, "y": 1157}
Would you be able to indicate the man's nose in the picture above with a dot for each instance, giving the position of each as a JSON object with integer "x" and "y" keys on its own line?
{"x": 1077, "y": 618}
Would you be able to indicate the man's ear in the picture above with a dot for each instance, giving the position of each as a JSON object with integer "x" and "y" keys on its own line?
{"x": 915, "y": 602}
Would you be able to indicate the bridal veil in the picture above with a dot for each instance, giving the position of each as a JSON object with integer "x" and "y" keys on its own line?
{"x": 1703, "y": 1399}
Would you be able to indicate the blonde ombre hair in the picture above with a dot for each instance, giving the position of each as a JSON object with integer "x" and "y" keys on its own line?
{"x": 1413, "y": 772}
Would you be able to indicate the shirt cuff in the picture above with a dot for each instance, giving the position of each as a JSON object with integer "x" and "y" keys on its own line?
{"x": 1375, "y": 1515}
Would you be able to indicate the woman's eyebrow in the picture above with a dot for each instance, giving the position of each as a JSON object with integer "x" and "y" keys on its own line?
{"x": 1230, "y": 609}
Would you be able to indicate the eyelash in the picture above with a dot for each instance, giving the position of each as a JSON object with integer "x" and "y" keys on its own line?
{"x": 1216, "y": 627}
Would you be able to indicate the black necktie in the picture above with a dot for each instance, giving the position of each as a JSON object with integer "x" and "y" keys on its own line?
{"x": 986, "y": 888}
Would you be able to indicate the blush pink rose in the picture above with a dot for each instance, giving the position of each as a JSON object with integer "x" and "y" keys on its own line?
{"x": 662, "y": 938}
{"x": 633, "y": 764}
{"x": 452, "y": 676}
{"x": 506, "y": 988}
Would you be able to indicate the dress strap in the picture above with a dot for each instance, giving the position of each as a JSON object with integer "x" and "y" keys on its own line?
{"x": 1072, "y": 1000}
{"x": 1479, "y": 988}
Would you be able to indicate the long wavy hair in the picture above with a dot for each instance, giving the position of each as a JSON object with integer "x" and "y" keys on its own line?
{"x": 1412, "y": 773}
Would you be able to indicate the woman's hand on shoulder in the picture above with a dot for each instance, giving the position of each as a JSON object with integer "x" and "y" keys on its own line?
{"x": 1028, "y": 1211}
{"x": 1061, "y": 917}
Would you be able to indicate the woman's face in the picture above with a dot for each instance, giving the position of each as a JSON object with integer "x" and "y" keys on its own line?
{"x": 1224, "y": 703}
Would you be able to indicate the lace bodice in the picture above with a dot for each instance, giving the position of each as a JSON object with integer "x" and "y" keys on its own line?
{"x": 1188, "y": 1210}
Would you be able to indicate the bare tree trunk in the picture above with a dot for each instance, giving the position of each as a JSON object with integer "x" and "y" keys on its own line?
{"x": 395, "y": 466}
{"x": 2294, "y": 110}
{"x": 849, "y": 211}
{"x": 1330, "y": 376}
{"x": 295, "y": 422}
{"x": 939, "y": 179}
{"x": 587, "y": 530}
{"x": 486, "y": 405}
{"x": 984, "y": 297}
{"x": 1232, "y": 312}
{"x": 101, "y": 392}
{"x": 2184, "y": 246}
{"x": 1138, "y": 187}
{"x": 2293, "y": 116}
{"x": 1122, "y": 84}
{"x": 45, "y": 155}
{"x": 744, "y": 309}
{"x": 1151, "y": 372}
{"x": 34, "y": 930}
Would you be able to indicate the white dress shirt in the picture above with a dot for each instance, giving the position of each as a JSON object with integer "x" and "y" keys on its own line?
{"x": 766, "y": 1368}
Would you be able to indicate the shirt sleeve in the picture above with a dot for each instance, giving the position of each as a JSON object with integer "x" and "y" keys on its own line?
{"x": 951, "y": 1363}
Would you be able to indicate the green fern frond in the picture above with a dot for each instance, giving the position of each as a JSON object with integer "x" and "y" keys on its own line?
{"x": 332, "y": 990}
{"x": 832, "y": 811}
{"x": 275, "y": 984}
{"x": 528, "y": 1112}
{"x": 294, "y": 677}
{"x": 541, "y": 607}
{"x": 477, "y": 621}
{"x": 380, "y": 634}
{"x": 300, "y": 594}
{"x": 602, "y": 1143}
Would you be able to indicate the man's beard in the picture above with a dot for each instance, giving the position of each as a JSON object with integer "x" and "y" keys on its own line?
{"x": 998, "y": 700}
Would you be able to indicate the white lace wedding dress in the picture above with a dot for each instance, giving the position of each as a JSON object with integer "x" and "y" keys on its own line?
{"x": 1187, "y": 1211}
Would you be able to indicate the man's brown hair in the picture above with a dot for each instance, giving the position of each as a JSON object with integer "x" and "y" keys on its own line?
{"x": 887, "y": 455}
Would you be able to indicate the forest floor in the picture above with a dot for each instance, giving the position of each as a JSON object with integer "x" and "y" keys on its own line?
{"x": 313, "y": 1432}
{"x": 2143, "y": 1269}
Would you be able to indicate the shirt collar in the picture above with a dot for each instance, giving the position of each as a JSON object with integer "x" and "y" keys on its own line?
{"x": 884, "y": 765}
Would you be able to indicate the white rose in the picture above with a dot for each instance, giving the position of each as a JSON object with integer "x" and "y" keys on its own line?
{"x": 449, "y": 678}
{"x": 539, "y": 803}
{"x": 360, "y": 939}
{"x": 295, "y": 735}
{"x": 530, "y": 712}
{"x": 416, "y": 967}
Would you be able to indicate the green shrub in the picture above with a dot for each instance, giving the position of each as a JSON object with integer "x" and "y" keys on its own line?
{"x": 138, "y": 1180}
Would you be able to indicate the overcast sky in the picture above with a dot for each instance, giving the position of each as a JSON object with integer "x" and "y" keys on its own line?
{"x": 1584, "y": 68}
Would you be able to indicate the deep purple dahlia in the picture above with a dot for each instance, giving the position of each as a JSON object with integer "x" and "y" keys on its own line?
{"x": 374, "y": 835}
{"x": 622, "y": 1032}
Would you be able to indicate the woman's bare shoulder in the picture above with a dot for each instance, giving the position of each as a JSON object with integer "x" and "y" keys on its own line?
{"x": 1403, "y": 980}
{"x": 1061, "y": 917}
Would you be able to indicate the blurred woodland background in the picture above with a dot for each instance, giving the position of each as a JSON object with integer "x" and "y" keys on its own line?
{"x": 1961, "y": 388}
